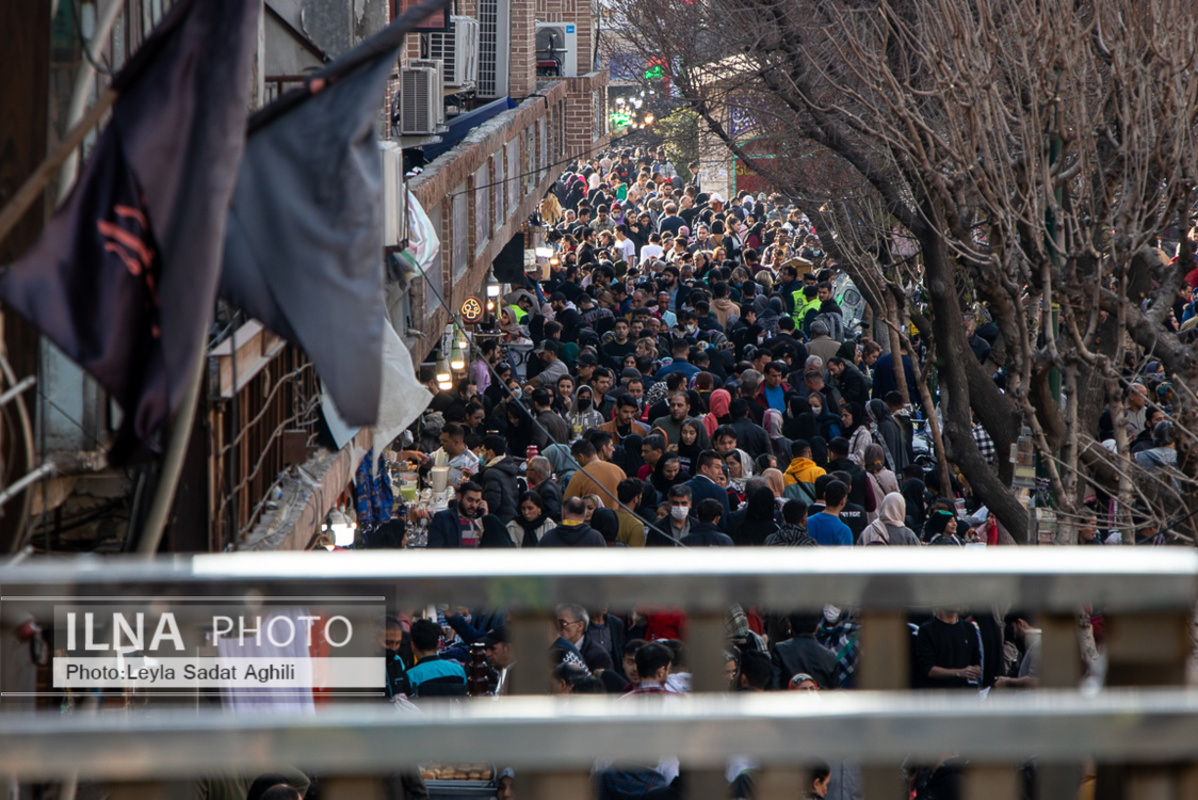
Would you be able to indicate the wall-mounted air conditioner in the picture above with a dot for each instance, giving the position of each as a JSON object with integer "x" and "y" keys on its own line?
{"x": 395, "y": 196}
{"x": 457, "y": 49}
{"x": 494, "y": 45}
{"x": 558, "y": 41}
{"x": 421, "y": 100}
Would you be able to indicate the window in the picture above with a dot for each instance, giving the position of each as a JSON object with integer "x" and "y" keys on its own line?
{"x": 459, "y": 233}
{"x": 482, "y": 218}
{"x": 513, "y": 174}
{"x": 543, "y": 147}
{"x": 498, "y": 186}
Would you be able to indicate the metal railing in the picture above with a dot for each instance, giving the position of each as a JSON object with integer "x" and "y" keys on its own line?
{"x": 1048, "y": 579}
{"x": 1139, "y": 735}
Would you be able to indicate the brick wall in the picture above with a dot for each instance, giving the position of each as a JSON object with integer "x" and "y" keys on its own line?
{"x": 433, "y": 187}
{"x": 586, "y": 106}
{"x": 522, "y": 56}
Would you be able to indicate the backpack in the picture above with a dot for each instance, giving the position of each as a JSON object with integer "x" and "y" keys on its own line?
{"x": 835, "y": 323}
{"x": 800, "y": 491}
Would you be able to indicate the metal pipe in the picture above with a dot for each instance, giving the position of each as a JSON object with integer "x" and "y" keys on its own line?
{"x": 15, "y": 488}
{"x": 30, "y": 454}
{"x": 551, "y": 733}
{"x": 7, "y": 397}
{"x": 1056, "y": 579}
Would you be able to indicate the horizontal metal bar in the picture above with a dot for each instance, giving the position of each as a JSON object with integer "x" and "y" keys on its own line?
{"x": 1049, "y": 579}
{"x": 573, "y": 732}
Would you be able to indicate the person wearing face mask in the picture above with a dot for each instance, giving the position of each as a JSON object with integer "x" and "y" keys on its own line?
{"x": 582, "y": 415}
{"x": 677, "y": 524}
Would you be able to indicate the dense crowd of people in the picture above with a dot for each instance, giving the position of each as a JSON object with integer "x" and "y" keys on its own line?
{"x": 686, "y": 374}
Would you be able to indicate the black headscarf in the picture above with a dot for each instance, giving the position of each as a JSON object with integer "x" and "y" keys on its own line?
{"x": 759, "y": 518}
{"x": 607, "y": 523}
{"x": 913, "y": 491}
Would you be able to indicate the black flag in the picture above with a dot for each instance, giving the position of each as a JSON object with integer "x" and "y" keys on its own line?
{"x": 304, "y": 243}
{"x": 124, "y": 276}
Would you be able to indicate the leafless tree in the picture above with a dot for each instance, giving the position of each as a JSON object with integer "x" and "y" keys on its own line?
{"x": 1033, "y": 150}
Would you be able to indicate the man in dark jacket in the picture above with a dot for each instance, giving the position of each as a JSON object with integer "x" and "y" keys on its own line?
{"x": 539, "y": 476}
{"x": 551, "y": 428}
{"x": 703, "y": 485}
{"x": 573, "y": 624}
{"x": 848, "y": 380}
{"x": 500, "y": 488}
{"x": 467, "y": 525}
{"x": 704, "y": 533}
{"x": 608, "y": 632}
{"x": 573, "y": 532}
{"x": 838, "y": 461}
{"x": 750, "y": 437}
{"x": 801, "y": 653}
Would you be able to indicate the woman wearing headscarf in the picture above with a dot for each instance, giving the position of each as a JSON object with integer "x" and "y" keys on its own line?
{"x": 519, "y": 432}
{"x": 772, "y": 422}
{"x": 856, "y": 430}
{"x": 913, "y": 493}
{"x": 881, "y": 480}
{"x": 582, "y": 415}
{"x": 890, "y": 527}
{"x": 577, "y": 191}
{"x": 826, "y": 423}
{"x": 607, "y": 523}
{"x": 717, "y": 414}
{"x": 564, "y": 465}
{"x": 668, "y": 473}
{"x": 740, "y": 469}
{"x": 891, "y": 434}
{"x": 799, "y": 422}
{"x": 768, "y": 319}
{"x": 775, "y": 426}
{"x": 774, "y": 480}
{"x": 691, "y": 444}
{"x": 531, "y": 523}
{"x": 759, "y": 519}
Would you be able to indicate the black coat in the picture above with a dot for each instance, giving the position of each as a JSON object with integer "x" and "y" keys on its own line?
{"x": 803, "y": 654}
{"x": 751, "y": 438}
{"x": 618, "y": 638}
{"x": 501, "y": 490}
{"x": 551, "y": 496}
{"x": 853, "y": 386}
{"x": 445, "y": 531}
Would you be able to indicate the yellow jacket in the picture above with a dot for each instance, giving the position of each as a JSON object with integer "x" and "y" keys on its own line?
{"x": 802, "y": 470}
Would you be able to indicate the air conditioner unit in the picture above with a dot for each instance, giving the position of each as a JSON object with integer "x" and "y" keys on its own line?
{"x": 395, "y": 196}
{"x": 457, "y": 49}
{"x": 558, "y": 41}
{"x": 494, "y": 24}
{"x": 421, "y": 104}
{"x": 439, "y": 66}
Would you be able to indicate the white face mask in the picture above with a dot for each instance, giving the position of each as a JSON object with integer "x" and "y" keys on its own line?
{"x": 679, "y": 513}
{"x": 692, "y": 328}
